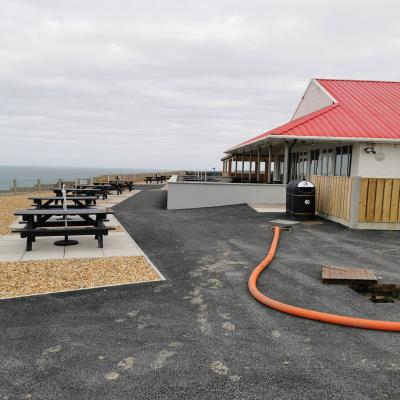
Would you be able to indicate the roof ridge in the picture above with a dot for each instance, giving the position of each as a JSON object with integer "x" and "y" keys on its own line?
{"x": 308, "y": 117}
{"x": 355, "y": 80}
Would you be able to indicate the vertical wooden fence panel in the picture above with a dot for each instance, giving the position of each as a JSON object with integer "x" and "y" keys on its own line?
{"x": 333, "y": 195}
{"x": 379, "y": 200}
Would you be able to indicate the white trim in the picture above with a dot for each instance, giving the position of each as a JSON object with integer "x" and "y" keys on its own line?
{"x": 340, "y": 139}
{"x": 322, "y": 89}
{"x": 319, "y": 138}
{"x": 302, "y": 98}
{"x": 325, "y": 91}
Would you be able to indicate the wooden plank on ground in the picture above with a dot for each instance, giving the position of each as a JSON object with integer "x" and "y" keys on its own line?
{"x": 345, "y": 275}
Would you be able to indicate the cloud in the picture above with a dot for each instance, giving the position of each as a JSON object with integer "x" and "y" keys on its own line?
{"x": 171, "y": 84}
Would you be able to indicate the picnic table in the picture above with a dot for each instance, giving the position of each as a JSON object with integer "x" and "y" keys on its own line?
{"x": 158, "y": 179}
{"x": 123, "y": 183}
{"x": 86, "y": 192}
{"x": 37, "y": 223}
{"x": 104, "y": 188}
{"x": 52, "y": 201}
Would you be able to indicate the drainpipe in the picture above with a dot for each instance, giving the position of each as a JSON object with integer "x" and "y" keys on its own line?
{"x": 286, "y": 164}
{"x": 290, "y": 152}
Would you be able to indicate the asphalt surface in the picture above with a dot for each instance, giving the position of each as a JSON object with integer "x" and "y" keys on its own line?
{"x": 199, "y": 335}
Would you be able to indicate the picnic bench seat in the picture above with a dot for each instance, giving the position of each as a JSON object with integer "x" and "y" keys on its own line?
{"x": 31, "y": 233}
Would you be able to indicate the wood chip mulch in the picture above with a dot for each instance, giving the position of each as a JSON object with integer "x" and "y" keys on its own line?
{"x": 22, "y": 278}
{"x": 9, "y": 204}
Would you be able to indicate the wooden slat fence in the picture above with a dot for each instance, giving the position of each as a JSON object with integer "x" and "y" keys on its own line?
{"x": 333, "y": 195}
{"x": 379, "y": 200}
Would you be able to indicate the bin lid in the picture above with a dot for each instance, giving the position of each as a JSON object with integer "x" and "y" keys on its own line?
{"x": 305, "y": 184}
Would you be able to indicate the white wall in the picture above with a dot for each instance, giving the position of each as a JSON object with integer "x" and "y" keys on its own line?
{"x": 369, "y": 166}
{"x": 212, "y": 194}
{"x": 314, "y": 99}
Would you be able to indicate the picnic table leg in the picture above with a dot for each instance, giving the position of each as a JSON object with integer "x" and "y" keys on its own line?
{"x": 29, "y": 242}
{"x": 100, "y": 241}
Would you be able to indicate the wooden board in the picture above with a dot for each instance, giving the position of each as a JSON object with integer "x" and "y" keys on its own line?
{"x": 345, "y": 275}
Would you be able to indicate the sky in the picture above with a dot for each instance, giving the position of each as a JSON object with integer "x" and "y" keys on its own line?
{"x": 171, "y": 84}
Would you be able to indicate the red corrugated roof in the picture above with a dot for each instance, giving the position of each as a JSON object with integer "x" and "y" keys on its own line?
{"x": 363, "y": 109}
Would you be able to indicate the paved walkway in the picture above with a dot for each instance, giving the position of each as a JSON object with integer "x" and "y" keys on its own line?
{"x": 199, "y": 335}
{"x": 116, "y": 243}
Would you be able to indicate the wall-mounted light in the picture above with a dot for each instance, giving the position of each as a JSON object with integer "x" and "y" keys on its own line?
{"x": 370, "y": 149}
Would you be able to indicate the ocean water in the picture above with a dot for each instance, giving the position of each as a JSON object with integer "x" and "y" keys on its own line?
{"x": 28, "y": 176}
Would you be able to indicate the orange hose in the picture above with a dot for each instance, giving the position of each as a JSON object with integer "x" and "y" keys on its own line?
{"x": 310, "y": 314}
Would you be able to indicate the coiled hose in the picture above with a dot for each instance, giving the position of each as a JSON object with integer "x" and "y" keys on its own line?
{"x": 305, "y": 313}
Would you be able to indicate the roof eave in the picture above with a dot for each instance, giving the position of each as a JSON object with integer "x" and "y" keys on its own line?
{"x": 272, "y": 137}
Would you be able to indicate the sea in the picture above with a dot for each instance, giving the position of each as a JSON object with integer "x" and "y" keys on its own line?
{"x": 27, "y": 176}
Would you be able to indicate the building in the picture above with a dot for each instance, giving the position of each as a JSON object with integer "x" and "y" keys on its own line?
{"x": 339, "y": 128}
{"x": 344, "y": 136}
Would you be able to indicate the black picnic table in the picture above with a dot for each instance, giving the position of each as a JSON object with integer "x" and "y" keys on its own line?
{"x": 104, "y": 187}
{"x": 52, "y": 201}
{"x": 123, "y": 183}
{"x": 158, "y": 179}
{"x": 37, "y": 223}
{"x": 86, "y": 192}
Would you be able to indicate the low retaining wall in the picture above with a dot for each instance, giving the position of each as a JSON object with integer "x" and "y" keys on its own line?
{"x": 139, "y": 177}
{"x": 183, "y": 195}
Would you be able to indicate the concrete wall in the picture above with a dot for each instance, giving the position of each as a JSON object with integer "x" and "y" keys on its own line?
{"x": 314, "y": 99}
{"x": 137, "y": 178}
{"x": 372, "y": 165}
{"x": 211, "y": 194}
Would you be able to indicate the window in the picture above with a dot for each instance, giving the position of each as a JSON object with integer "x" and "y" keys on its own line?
{"x": 314, "y": 155}
{"x": 325, "y": 162}
{"x": 343, "y": 160}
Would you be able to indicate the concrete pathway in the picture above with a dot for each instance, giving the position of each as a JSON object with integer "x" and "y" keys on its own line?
{"x": 12, "y": 247}
{"x": 268, "y": 208}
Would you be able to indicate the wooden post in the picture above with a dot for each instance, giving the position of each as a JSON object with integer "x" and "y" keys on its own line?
{"x": 241, "y": 178}
{"x": 269, "y": 165}
{"x": 14, "y": 185}
{"x": 250, "y": 167}
{"x": 235, "y": 164}
{"x": 39, "y": 185}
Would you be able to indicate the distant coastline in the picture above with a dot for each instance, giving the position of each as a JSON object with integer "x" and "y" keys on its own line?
{"x": 28, "y": 175}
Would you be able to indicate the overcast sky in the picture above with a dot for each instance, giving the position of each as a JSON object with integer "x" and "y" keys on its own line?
{"x": 171, "y": 84}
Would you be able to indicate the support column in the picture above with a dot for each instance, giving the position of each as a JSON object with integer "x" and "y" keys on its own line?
{"x": 235, "y": 165}
{"x": 269, "y": 164}
{"x": 286, "y": 164}
{"x": 354, "y": 201}
{"x": 258, "y": 165}
{"x": 230, "y": 167}
{"x": 250, "y": 167}
{"x": 276, "y": 166}
{"x": 241, "y": 177}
